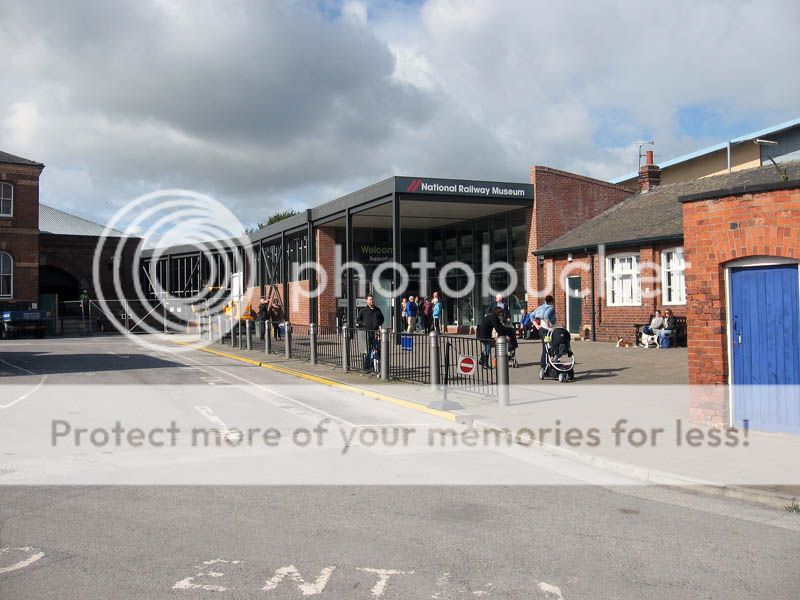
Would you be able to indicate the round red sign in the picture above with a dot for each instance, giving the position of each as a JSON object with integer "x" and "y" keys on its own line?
{"x": 466, "y": 365}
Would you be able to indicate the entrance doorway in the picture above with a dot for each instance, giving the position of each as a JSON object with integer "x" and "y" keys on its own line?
{"x": 574, "y": 304}
{"x": 764, "y": 346}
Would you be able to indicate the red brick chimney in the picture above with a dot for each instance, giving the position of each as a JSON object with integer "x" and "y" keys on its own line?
{"x": 649, "y": 174}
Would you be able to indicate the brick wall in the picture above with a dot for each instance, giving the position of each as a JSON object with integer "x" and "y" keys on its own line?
{"x": 74, "y": 254}
{"x": 718, "y": 231}
{"x": 326, "y": 257}
{"x": 562, "y": 201}
{"x": 612, "y": 322}
{"x": 19, "y": 234}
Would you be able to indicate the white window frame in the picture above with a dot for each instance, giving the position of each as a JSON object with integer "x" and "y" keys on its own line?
{"x": 612, "y": 274}
{"x": 3, "y": 274}
{"x": 678, "y": 251}
{"x": 3, "y": 186}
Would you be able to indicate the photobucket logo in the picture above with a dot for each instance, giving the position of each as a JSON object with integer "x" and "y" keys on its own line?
{"x": 150, "y": 294}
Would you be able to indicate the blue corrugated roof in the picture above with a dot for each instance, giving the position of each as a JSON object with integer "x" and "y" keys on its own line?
{"x": 721, "y": 146}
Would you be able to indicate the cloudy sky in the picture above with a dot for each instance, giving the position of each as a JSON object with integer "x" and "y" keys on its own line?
{"x": 269, "y": 105}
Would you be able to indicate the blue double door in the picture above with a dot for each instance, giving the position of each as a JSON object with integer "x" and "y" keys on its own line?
{"x": 765, "y": 347}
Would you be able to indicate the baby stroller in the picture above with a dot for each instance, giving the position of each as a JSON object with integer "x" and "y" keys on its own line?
{"x": 513, "y": 344}
{"x": 560, "y": 360}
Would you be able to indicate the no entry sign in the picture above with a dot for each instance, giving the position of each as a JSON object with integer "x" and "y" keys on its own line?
{"x": 466, "y": 364}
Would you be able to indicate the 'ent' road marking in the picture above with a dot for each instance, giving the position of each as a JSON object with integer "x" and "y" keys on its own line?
{"x": 21, "y": 398}
{"x": 34, "y": 556}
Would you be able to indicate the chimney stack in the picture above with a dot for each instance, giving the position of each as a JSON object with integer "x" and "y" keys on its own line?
{"x": 649, "y": 174}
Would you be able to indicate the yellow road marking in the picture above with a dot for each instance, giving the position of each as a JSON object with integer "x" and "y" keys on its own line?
{"x": 448, "y": 416}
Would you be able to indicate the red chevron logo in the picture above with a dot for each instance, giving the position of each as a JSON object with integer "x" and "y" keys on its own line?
{"x": 414, "y": 185}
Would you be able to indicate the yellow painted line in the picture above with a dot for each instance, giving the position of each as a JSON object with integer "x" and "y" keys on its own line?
{"x": 448, "y": 416}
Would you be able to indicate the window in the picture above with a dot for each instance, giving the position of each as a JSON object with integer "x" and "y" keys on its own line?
{"x": 6, "y": 199}
{"x": 623, "y": 280}
{"x": 6, "y": 275}
{"x": 673, "y": 282}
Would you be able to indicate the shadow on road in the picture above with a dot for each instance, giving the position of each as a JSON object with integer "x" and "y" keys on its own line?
{"x": 52, "y": 363}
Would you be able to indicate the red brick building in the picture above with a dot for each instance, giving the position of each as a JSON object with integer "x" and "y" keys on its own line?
{"x": 19, "y": 230}
{"x": 47, "y": 254}
{"x": 743, "y": 243}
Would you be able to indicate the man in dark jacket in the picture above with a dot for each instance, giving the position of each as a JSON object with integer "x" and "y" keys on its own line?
{"x": 370, "y": 317}
{"x": 491, "y": 321}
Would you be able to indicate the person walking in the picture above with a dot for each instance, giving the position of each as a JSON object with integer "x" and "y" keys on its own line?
{"x": 500, "y": 302}
{"x": 412, "y": 312}
{"x": 436, "y": 313}
{"x": 263, "y": 316}
{"x": 370, "y": 318}
{"x": 427, "y": 316}
{"x": 544, "y": 319}
{"x": 276, "y": 317}
{"x": 492, "y": 321}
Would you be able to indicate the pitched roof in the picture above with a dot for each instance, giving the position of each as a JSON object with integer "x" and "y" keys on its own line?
{"x": 717, "y": 147}
{"x": 7, "y": 158}
{"x": 657, "y": 214}
{"x": 52, "y": 220}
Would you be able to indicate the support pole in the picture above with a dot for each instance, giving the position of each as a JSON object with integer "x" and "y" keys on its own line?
{"x": 345, "y": 350}
{"x": 312, "y": 342}
{"x": 433, "y": 360}
{"x": 348, "y": 257}
{"x": 385, "y": 353}
{"x": 268, "y": 337}
{"x": 502, "y": 371}
{"x": 441, "y": 403}
{"x": 249, "y": 334}
{"x": 220, "y": 333}
{"x": 396, "y": 310}
{"x": 287, "y": 331}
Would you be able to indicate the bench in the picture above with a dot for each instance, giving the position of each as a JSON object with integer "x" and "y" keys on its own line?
{"x": 678, "y": 336}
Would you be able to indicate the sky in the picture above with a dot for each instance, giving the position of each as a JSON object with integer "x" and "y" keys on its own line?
{"x": 269, "y": 105}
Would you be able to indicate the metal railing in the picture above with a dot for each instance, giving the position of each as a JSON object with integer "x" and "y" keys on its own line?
{"x": 445, "y": 361}
{"x": 467, "y": 364}
{"x": 409, "y": 357}
{"x": 329, "y": 345}
{"x": 363, "y": 347}
{"x": 300, "y": 341}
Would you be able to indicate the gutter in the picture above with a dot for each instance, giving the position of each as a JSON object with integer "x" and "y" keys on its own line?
{"x": 739, "y": 190}
{"x": 632, "y": 242}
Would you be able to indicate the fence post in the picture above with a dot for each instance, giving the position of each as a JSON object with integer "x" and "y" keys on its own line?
{"x": 287, "y": 338}
{"x": 502, "y": 370}
{"x": 312, "y": 342}
{"x": 268, "y": 337}
{"x": 385, "y": 353}
{"x": 249, "y": 333}
{"x": 436, "y": 369}
{"x": 89, "y": 302}
{"x": 345, "y": 350}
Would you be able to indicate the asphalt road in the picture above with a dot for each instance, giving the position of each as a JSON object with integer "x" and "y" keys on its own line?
{"x": 241, "y": 520}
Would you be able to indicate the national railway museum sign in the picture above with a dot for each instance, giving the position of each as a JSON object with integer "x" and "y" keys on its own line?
{"x": 456, "y": 187}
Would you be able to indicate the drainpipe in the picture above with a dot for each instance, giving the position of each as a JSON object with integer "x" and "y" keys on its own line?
{"x": 729, "y": 156}
{"x": 594, "y": 308}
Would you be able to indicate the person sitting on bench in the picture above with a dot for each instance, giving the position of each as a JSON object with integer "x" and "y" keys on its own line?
{"x": 650, "y": 332}
{"x": 668, "y": 331}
